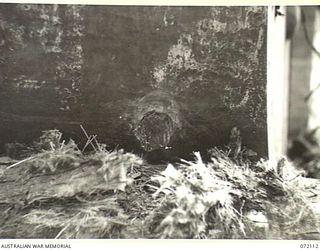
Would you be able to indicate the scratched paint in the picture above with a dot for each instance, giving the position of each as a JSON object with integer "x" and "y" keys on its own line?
{"x": 219, "y": 50}
{"x": 180, "y": 59}
{"x": 73, "y": 66}
{"x": 23, "y": 84}
{"x": 44, "y": 33}
{"x": 15, "y": 35}
{"x": 50, "y": 33}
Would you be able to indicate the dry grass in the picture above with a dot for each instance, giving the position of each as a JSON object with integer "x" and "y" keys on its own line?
{"x": 94, "y": 219}
{"x": 116, "y": 195}
{"x": 230, "y": 197}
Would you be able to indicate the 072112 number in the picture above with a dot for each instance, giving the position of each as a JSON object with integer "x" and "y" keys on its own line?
{"x": 309, "y": 246}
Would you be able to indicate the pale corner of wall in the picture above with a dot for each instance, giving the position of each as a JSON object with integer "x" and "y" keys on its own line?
{"x": 277, "y": 85}
{"x": 314, "y": 100}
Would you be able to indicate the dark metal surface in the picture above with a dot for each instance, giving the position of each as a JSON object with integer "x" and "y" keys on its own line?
{"x": 198, "y": 70}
